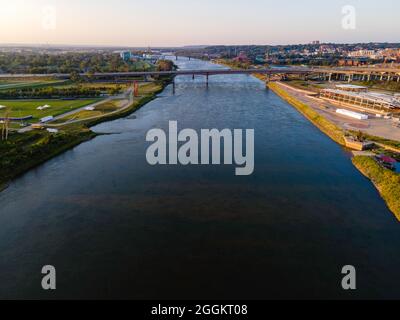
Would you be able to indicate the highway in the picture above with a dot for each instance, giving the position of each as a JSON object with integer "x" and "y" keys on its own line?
{"x": 362, "y": 71}
{"x": 165, "y": 73}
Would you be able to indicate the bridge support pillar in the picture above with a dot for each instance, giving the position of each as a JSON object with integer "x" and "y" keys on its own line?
{"x": 267, "y": 80}
{"x": 350, "y": 78}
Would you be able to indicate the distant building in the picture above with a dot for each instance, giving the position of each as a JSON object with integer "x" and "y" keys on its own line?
{"x": 352, "y": 62}
{"x": 260, "y": 59}
{"x": 242, "y": 58}
{"x": 363, "y": 53}
{"x": 153, "y": 57}
{"x": 126, "y": 55}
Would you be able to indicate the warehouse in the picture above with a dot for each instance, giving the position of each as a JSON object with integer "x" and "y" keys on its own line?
{"x": 368, "y": 101}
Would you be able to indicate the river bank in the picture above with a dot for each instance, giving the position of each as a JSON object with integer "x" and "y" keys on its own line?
{"x": 25, "y": 151}
{"x": 385, "y": 181}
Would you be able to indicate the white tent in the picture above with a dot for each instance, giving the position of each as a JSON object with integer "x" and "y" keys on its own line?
{"x": 352, "y": 114}
{"x": 43, "y": 107}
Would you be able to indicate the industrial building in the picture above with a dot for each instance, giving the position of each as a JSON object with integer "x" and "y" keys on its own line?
{"x": 359, "y": 97}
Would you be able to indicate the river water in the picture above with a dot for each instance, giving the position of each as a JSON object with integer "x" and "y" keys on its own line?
{"x": 116, "y": 227}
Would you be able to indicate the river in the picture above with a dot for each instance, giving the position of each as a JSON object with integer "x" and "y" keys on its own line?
{"x": 116, "y": 227}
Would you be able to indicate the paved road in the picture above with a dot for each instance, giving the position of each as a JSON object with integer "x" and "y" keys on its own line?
{"x": 126, "y": 105}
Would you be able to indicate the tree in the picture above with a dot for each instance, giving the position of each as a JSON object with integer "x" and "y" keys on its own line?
{"x": 165, "y": 65}
{"x": 90, "y": 75}
{"x": 360, "y": 136}
{"x": 75, "y": 77}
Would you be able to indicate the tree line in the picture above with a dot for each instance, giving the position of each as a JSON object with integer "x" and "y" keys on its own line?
{"x": 53, "y": 92}
{"x": 80, "y": 62}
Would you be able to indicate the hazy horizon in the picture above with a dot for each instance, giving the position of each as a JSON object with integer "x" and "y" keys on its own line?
{"x": 178, "y": 23}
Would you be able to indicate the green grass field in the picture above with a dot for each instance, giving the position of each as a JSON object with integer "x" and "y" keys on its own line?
{"x": 94, "y": 85}
{"x": 29, "y": 84}
{"x": 22, "y": 108}
{"x": 100, "y": 110}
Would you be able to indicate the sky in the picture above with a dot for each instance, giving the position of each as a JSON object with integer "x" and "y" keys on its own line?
{"x": 197, "y": 22}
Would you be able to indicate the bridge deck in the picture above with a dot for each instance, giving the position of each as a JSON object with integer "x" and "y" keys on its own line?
{"x": 268, "y": 71}
{"x": 164, "y": 73}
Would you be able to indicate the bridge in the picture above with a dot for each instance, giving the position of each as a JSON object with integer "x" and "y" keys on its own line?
{"x": 358, "y": 73}
{"x": 322, "y": 73}
{"x": 209, "y": 72}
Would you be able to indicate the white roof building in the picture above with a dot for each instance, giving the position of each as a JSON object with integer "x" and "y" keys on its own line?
{"x": 363, "y": 99}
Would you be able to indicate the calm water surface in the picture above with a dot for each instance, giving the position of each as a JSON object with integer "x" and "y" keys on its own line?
{"x": 116, "y": 227}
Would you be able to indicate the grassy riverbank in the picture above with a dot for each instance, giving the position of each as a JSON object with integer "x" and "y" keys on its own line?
{"x": 330, "y": 129}
{"x": 386, "y": 181}
{"x": 24, "y": 151}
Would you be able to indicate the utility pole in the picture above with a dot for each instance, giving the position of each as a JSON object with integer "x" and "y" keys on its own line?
{"x": 5, "y": 128}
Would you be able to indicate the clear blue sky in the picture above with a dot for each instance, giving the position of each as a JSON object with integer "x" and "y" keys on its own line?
{"x": 195, "y": 22}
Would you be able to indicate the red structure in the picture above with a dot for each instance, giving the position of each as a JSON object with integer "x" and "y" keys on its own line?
{"x": 135, "y": 89}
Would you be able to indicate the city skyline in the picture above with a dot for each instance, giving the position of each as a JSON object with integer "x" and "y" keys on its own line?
{"x": 180, "y": 23}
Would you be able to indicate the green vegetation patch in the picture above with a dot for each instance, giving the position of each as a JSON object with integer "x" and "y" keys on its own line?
{"x": 383, "y": 141}
{"x": 330, "y": 129}
{"x": 386, "y": 181}
{"x": 30, "y": 84}
{"x": 149, "y": 88}
{"x": 23, "y": 151}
